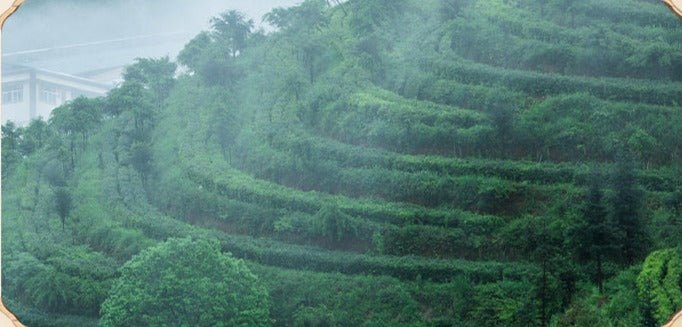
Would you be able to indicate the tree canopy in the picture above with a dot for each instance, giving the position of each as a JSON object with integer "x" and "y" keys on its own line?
{"x": 182, "y": 282}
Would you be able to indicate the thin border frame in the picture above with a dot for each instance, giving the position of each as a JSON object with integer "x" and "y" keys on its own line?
{"x": 677, "y": 10}
{"x": 3, "y": 310}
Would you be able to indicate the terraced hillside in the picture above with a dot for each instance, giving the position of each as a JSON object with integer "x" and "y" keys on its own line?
{"x": 409, "y": 162}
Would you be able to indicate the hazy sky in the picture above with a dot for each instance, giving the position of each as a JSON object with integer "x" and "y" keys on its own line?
{"x": 75, "y": 40}
{"x": 41, "y": 25}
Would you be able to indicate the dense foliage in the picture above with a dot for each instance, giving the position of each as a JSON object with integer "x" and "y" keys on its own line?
{"x": 374, "y": 162}
{"x": 185, "y": 283}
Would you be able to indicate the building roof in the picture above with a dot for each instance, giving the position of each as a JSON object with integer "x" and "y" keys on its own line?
{"x": 80, "y": 58}
{"x": 13, "y": 69}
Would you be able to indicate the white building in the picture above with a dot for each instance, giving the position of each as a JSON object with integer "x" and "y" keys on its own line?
{"x": 36, "y": 81}
{"x": 29, "y": 93}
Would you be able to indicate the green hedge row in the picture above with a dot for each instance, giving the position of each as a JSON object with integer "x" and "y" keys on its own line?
{"x": 298, "y": 257}
{"x": 303, "y": 145}
{"x": 533, "y": 41}
{"x": 540, "y": 84}
{"x": 233, "y": 184}
{"x": 385, "y": 120}
{"x": 479, "y": 193}
{"x": 203, "y": 185}
{"x": 478, "y": 97}
{"x": 634, "y": 12}
{"x": 301, "y": 257}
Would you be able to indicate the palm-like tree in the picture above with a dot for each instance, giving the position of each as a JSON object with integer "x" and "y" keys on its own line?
{"x": 232, "y": 28}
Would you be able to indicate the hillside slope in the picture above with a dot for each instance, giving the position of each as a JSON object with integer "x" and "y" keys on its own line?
{"x": 411, "y": 162}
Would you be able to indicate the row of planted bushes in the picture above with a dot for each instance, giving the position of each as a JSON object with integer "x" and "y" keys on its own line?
{"x": 212, "y": 189}
{"x": 471, "y": 96}
{"x": 452, "y": 67}
{"x": 303, "y": 257}
{"x": 567, "y": 133}
{"x": 384, "y": 105}
{"x": 259, "y": 250}
{"x": 286, "y": 255}
{"x": 31, "y": 316}
{"x": 75, "y": 281}
{"x": 332, "y": 228}
{"x": 582, "y": 127}
{"x": 300, "y": 257}
{"x": 205, "y": 186}
{"x": 428, "y": 188}
{"x": 186, "y": 199}
{"x": 406, "y": 267}
{"x": 567, "y": 123}
{"x": 300, "y": 298}
{"x": 532, "y": 42}
{"x": 233, "y": 184}
{"x": 302, "y": 145}
{"x": 523, "y": 19}
{"x": 363, "y": 120}
{"x": 633, "y": 12}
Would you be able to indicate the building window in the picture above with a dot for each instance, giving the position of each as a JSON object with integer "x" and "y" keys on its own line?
{"x": 48, "y": 94}
{"x": 12, "y": 93}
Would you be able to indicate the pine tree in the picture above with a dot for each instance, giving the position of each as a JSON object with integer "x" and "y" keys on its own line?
{"x": 626, "y": 210}
{"x": 594, "y": 237}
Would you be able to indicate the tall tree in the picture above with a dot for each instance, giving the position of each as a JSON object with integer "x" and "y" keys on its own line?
{"x": 76, "y": 118}
{"x": 593, "y": 238}
{"x": 64, "y": 121}
{"x": 232, "y": 29}
{"x": 500, "y": 106}
{"x": 87, "y": 114}
{"x": 63, "y": 204}
{"x": 225, "y": 125}
{"x": 626, "y": 210}
{"x": 155, "y": 75}
{"x": 33, "y": 136}
{"x": 131, "y": 97}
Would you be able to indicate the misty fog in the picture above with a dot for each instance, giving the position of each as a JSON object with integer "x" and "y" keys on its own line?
{"x": 95, "y": 40}
{"x": 40, "y": 24}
